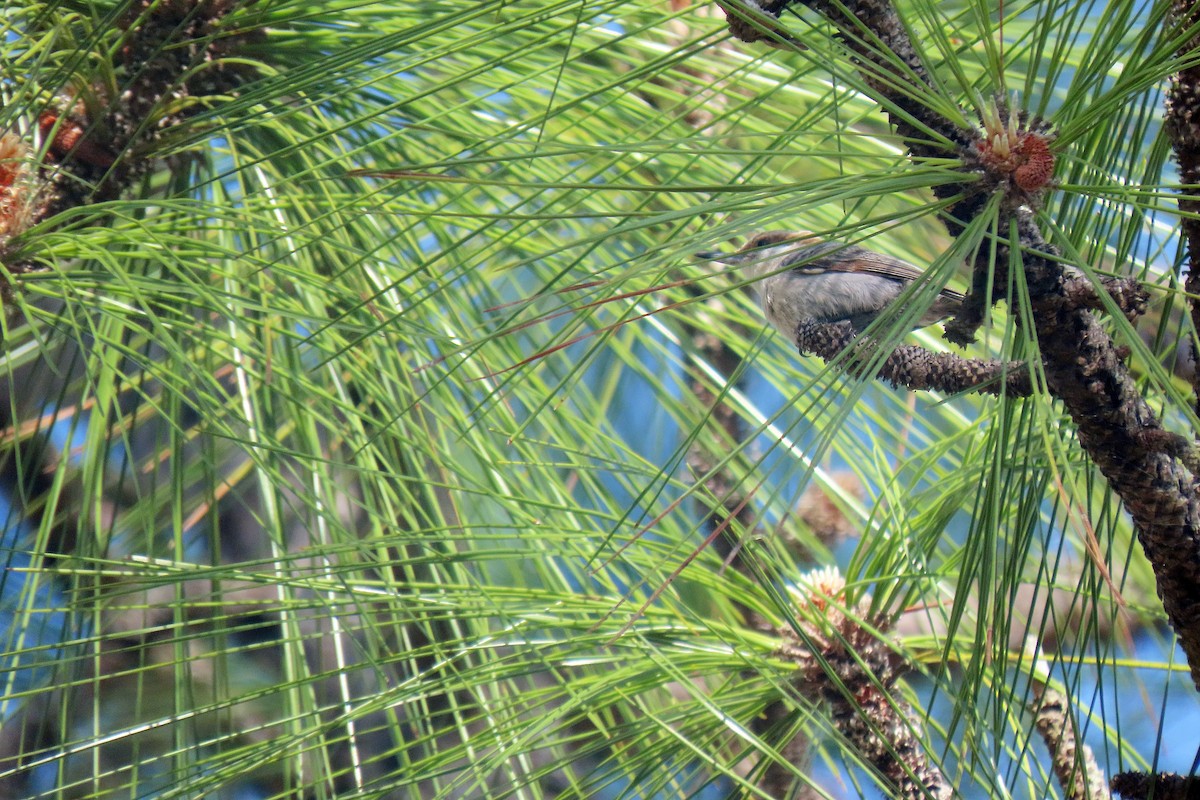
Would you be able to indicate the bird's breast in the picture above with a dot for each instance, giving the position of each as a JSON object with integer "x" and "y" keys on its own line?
{"x": 793, "y": 297}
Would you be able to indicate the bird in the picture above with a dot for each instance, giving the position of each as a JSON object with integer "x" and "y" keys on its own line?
{"x": 802, "y": 278}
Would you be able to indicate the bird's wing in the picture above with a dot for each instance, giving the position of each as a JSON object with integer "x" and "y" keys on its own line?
{"x": 835, "y": 257}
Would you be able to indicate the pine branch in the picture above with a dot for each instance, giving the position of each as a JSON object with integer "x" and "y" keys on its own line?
{"x": 1011, "y": 159}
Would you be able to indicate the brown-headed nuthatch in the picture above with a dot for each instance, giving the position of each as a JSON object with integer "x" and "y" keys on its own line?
{"x": 802, "y": 278}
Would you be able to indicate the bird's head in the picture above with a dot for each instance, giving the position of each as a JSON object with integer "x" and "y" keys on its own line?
{"x": 763, "y": 251}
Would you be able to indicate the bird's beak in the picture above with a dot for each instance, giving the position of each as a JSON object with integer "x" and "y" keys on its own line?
{"x": 719, "y": 257}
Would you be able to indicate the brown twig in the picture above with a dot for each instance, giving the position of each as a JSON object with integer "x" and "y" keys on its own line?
{"x": 1074, "y": 764}
{"x": 1182, "y": 123}
{"x": 844, "y": 661}
{"x": 915, "y": 367}
{"x": 1163, "y": 786}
